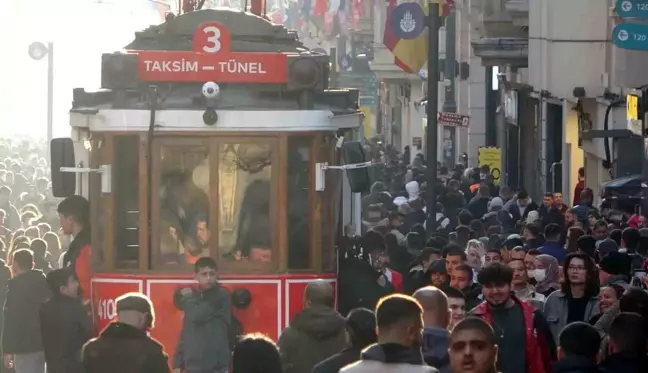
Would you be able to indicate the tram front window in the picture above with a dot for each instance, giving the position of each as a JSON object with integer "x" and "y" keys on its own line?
{"x": 245, "y": 190}
{"x": 184, "y": 228}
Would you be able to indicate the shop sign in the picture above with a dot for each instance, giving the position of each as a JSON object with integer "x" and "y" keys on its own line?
{"x": 632, "y": 36}
{"x": 632, "y": 8}
{"x": 212, "y": 60}
{"x": 453, "y": 119}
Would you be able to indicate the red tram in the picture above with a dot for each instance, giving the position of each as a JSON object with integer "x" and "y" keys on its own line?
{"x": 205, "y": 139}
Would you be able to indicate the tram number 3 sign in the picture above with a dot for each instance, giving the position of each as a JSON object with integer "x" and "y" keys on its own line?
{"x": 211, "y": 59}
{"x": 106, "y": 309}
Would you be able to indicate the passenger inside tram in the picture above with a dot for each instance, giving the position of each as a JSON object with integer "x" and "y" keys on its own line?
{"x": 244, "y": 229}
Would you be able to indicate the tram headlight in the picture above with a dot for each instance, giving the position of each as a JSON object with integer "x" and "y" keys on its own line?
{"x": 241, "y": 298}
{"x": 307, "y": 73}
{"x": 210, "y": 117}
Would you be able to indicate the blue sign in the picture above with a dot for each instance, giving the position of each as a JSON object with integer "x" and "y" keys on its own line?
{"x": 632, "y": 8}
{"x": 408, "y": 21}
{"x": 631, "y": 36}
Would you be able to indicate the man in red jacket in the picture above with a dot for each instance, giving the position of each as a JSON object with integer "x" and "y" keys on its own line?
{"x": 580, "y": 186}
{"x": 74, "y": 213}
{"x": 514, "y": 320}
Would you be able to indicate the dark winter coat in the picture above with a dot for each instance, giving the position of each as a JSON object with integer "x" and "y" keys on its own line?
{"x": 316, "y": 333}
{"x": 338, "y": 361}
{"x": 26, "y": 293}
{"x": 204, "y": 339}
{"x": 624, "y": 362}
{"x": 125, "y": 349}
{"x": 65, "y": 328}
{"x": 576, "y": 364}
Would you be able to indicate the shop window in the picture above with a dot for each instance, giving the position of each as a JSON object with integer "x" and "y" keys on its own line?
{"x": 299, "y": 214}
{"x": 126, "y": 176}
{"x": 245, "y": 226}
{"x": 183, "y": 210}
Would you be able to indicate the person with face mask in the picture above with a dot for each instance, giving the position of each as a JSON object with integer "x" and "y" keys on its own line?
{"x": 521, "y": 287}
{"x": 511, "y": 318}
{"x": 125, "y": 342}
{"x": 545, "y": 273}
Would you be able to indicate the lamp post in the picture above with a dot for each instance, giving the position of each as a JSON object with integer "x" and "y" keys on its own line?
{"x": 37, "y": 51}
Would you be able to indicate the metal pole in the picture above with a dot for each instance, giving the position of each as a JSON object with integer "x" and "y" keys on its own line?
{"x": 50, "y": 93}
{"x": 450, "y": 103}
{"x": 502, "y": 126}
{"x": 432, "y": 109}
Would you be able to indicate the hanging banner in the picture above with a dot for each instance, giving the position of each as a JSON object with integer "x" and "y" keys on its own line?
{"x": 366, "y": 122}
{"x": 491, "y": 157}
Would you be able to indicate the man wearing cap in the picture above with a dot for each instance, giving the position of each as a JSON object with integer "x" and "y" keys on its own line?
{"x": 614, "y": 268}
{"x": 124, "y": 345}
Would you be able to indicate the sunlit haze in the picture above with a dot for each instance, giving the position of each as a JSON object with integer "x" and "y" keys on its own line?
{"x": 81, "y": 31}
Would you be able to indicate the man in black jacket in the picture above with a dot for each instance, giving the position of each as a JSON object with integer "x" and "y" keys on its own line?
{"x": 65, "y": 326}
{"x": 123, "y": 345}
{"x": 21, "y": 337}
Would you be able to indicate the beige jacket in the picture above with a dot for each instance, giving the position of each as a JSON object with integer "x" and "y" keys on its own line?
{"x": 371, "y": 366}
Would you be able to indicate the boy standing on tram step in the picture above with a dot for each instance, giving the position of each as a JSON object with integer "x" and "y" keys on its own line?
{"x": 204, "y": 343}
{"x": 74, "y": 213}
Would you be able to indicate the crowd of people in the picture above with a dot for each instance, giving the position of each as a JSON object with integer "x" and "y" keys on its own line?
{"x": 504, "y": 284}
{"x": 541, "y": 275}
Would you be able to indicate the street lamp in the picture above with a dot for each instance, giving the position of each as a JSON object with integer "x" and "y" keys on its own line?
{"x": 37, "y": 51}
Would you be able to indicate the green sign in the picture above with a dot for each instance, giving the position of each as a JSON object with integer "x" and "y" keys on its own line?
{"x": 366, "y": 83}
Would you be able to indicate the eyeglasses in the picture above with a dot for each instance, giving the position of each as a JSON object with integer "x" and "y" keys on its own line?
{"x": 576, "y": 268}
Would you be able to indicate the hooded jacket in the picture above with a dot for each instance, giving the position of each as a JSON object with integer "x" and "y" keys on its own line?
{"x": 435, "y": 348}
{"x": 390, "y": 358}
{"x": 315, "y": 333}
{"x": 26, "y": 293}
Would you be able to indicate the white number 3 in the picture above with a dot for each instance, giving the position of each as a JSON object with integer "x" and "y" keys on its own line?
{"x": 213, "y": 44}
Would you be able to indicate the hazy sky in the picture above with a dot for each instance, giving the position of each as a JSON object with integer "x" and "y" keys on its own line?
{"x": 81, "y": 30}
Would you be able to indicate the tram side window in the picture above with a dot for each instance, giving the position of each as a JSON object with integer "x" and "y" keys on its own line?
{"x": 245, "y": 191}
{"x": 184, "y": 204}
{"x": 126, "y": 199}
{"x": 299, "y": 217}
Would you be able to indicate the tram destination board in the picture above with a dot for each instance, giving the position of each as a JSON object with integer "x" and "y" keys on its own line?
{"x": 632, "y": 8}
{"x": 632, "y": 36}
{"x": 212, "y": 60}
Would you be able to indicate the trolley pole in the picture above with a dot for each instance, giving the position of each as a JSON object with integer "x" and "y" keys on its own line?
{"x": 431, "y": 136}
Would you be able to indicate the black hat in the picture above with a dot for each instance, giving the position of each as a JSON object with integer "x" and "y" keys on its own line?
{"x": 616, "y": 263}
{"x": 438, "y": 266}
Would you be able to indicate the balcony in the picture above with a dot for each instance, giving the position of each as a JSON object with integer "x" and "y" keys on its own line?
{"x": 519, "y": 12}
{"x": 499, "y": 22}
{"x": 505, "y": 32}
{"x": 502, "y": 51}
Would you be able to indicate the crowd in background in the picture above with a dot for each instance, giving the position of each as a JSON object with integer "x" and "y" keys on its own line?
{"x": 28, "y": 216}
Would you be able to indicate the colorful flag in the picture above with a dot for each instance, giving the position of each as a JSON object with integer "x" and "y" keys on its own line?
{"x": 409, "y": 54}
{"x": 445, "y": 6}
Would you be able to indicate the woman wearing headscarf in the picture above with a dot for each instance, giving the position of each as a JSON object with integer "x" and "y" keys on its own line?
{"x": 546, "y": 274}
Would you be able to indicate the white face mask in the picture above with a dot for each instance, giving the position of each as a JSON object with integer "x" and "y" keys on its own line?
{"x": 539, "y": 274}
